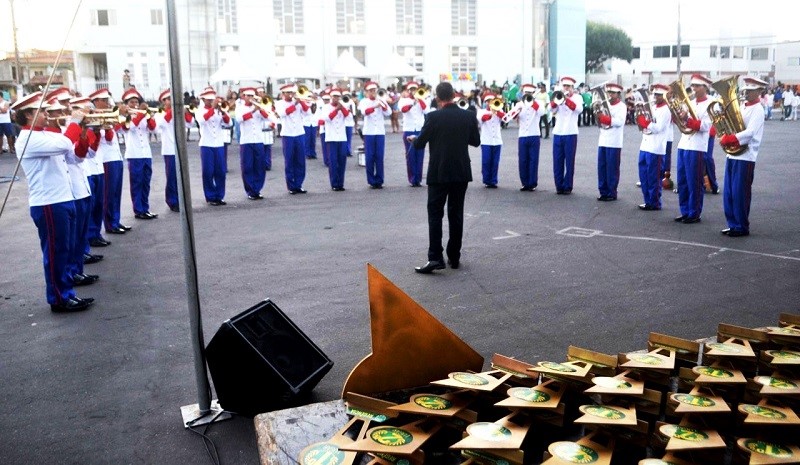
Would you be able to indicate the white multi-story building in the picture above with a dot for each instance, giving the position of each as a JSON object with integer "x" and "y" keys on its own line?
{"x": 481, "y": 40}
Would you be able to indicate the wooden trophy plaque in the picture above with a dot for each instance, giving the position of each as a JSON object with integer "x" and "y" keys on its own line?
{"x": 778, "y": 384}
{"x": 768, "y": 412}
{"x": 689, "y": 437}
{"x": 594, "y": 448}
{"x": 684, "y": 349}
{"x": 445, "y": 405}
{"x": 505, "y": 433}
{"x": 544, "y": 396}
{"x": 492, "y": 457}
{"x": 732, "y": 347}
{"x": 485, "y": 382}
{"x": 329, "y": 451}
{"x": 610, "y": 415}
{"x": 396, "y": 440}
{"x": 662, "y": 359}
{"x": 699, "y": 400}
{"x": 781, "y": 357}
{"x": 668, "y": 459}
{"x": 718, "y": 373}
{"x": 620, "y": 385}
{"x": 766, "y": 452}
{"x": 575, "y": 370}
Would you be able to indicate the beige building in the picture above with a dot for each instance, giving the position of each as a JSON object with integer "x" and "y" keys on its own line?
{"x": 35, "y": 68}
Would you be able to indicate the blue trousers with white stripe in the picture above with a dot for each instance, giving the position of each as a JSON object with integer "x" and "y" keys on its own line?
{"x": 253, "y": 166}
{"x": 650, "y": 177}
{"x": 140, "y": 171}
{"x": 374, "y": 148}
{"x": 608, "y": 159}
{"x": 564, "y": 148}
{"x": 414, "y": 159}
{"x": 529, "y": 160}
{"x": 171, "y": 189}
{"x": 337, "y": 153}
{"x": 490, "y": 162}
{"x": 294, "y": 161}
{"x": 213, "y": 167}
{"x": 96, "y": 185}
{"x": 691, "y": 170}
{"x": 112, "y": 193}
{"x": 738, "y": 193}
{"x": 55, "y": 224}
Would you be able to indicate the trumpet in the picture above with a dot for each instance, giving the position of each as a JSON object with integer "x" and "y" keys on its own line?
{"x": 345, "y": 99}
{"x": 421, "y": 94}
{"x": 559, "y": 97}
{"x": 382, "y": 94}
{"x": 528, "y": 98}
{"x": 463, "y": 103}
{"x": 496, "y": 104}
{"x": 104, "y": 119}
{"x": 264, "y": 106}
{"x": 679, "y": 103}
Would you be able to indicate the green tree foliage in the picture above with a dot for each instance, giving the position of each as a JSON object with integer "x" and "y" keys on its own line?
{"x": 604, "y": 41}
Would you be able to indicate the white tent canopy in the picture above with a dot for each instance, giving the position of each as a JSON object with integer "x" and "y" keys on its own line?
{"x": 397, "y": 66}
{"x": 235, "y": 69}
{"x": 293, "y": 66}
{"x": 348, "y": 66}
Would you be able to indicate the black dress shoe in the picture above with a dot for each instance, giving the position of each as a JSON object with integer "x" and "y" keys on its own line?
{"x": 602, "y": 198}
{"x": 648, "y": 208}
{"x": 126, "y": 228}
{"x": 726, "y": 231}
{"x": 151, "y": 215}
{"x": 175, "y": 209}
{"x": 84, "y": 280}
{"x": 143, "y": 216}
{"x": 88, "y": 258}
{"x": 301, "y": 191}
{"x": 70, "y": 305}
{"x": 454, "y": 264}
{"x": 691, "y": 220}
{"x": 430, "y": 266}
{"x": 416, "y": 184}
{"x": 116, "y": 231}
{"x": 99, "y": 242}
{"x": 254, "y": 197}
{"x": 559, "y": 192}
{"x": 679, "y": 219}
{"x": 738, "y": 233}
{"x": 88, "y": 300}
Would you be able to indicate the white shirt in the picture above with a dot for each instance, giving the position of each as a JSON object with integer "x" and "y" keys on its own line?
{"x": 612, "y": 137}
{"x": 291, "y": 123}
{"x": 490, "y": 130}
{"x": 251, "y": 128}
{"x": 698, "y": 141}
{"x": 167, "y": 131}
{"x": 350, "y": 120}
{"x": 374, "y": 124}
{"x": 77, "y": 176}
{"x": 334, "y": 128}
{"x": 5, "y": 117}
{"x": 529, "y": 119}
{"x": 211, "y": 128}
{"x": 753, "y": 116}
{"x": 45, "y": 166}
{"x": 566, "y": 119}
{"x": 414, "y": 118}
{"x": 109, "y": 151}
{"x": 137, "y": 140}
{"x": 659, "y": 130}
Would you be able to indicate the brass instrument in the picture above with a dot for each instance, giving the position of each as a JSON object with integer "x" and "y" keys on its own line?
{"x": 462, "y": 103}
{"x": 559, "y": 97}
{"x": 679, "y": 104}
{"x": 528, "y": 98}
{"x": 508, "y": 117}
{"x": 60, "y": 120}
{"x": 345, "y": 99}
{"x": 421, "y": 94}
{"x": 303, "y": 93}
{"x": 382, "y": 94}
{"x": 496, "y": 104}
{"x": 265, "y": 100}
{"x": 600, "y": 104}
{"x": 725, "y": 112}
{"x": 105, "y": 119}
{"x": 264, "y": 106}
{"x": 643, "y": 107}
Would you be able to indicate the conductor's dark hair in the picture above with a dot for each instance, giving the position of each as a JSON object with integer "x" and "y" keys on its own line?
{"x": 445, "y": 92}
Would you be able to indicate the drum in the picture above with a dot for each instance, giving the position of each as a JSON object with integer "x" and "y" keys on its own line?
{"x": 269, "y": 136}
{"x": 226, "y": 136}
{"x": 362, "y": 157}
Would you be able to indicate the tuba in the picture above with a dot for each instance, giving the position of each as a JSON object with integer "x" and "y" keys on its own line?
{"x": 679, "y": 103}
{"x": 643, "y": 107}
{"x": 725, "y": 112}
{"x": 600, "y": 105}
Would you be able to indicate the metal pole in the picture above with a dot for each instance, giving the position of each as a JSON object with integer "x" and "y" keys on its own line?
{"x": 16, "y": 48}
{"x": 679, "y": 38}
{"x": 192, "y": 414}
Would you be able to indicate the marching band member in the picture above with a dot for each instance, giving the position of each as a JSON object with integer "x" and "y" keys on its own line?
{"x": 310, "y": 128}
{"x": 490, "y": 120}
{"x": 691, "y": 150}
{"x": 211, "y": 118}
{"x": 739, "y": 170}
{"x": 336, "y": 139}
{"x": 529, "y": 116}
{"x": 565, "y": 135}
{"x": 166, "y": 126}
{"x": 50, "y": 197}
{"x": 375, "y": 111}
{"x": 413, "y": 108}
{"x": 350, "y": 120}
{"x": 543, "y": 100}
{"x": 320, "y": 117}
{"x": 110, "y": 153}
{"x": 708, "y": 160}
{"x": 292, "y": 112}
{"x": 251, "y": 120}
{"x": 138, "y": 153}
{"x": 666, "y": 170}
{"x": 609, "y": 147}
{"x": 653, "y": 147}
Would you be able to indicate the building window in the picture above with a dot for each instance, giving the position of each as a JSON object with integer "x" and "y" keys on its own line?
{"x": 156, "y": 17}
{"x": 712, "y": 51}
{"x": 413, "y": 55}
{"x": 288, "y": 16}
{"x": 793, "y": 61}
{"x": 761, "y": 53}
{"x": 463, "y": 59}
{"x": 162, "y": 71}
{"x": 145, "y": 77}
{"x": 408, "y": 14}
{"x": 226, "y": 16}
{"x": 724, "y": 52}
{"x": 359, "y": 53}
{"x": 104, "y": 17}
{"x": 738, "y": 52}
{"x": 636, "y": 52}
{"x": 350, "y": 16}
{"x": 283, "y": 50}
{"x": 661, "y": 51}
{"x": 684, "y": 50}
{"x": 462, "y": 16}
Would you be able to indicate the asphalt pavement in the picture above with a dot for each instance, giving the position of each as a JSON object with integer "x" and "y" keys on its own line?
{"x": 539, "y": 272}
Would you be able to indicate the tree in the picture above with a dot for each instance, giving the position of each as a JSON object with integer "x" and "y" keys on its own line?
{"x": 604, "y": 41}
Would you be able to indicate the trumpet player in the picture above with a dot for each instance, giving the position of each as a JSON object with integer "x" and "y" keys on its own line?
{"x": 292, "y": 111}
{"x": 252, "y": 157}
{"x": 568, "y": 106}
{"x": 166, "y": 126}
{"x": 655, "y": 132}
{"x": 349, "y": 102}
{"x": 739, "y": 170}
{"x": 609, "y": 145}
{"x": 691, "y": 150}
{"x": 336, "y": 139}
{"x": 211, "y": 116}
{"x": 375, "y": 111}
{"x": 490, "y": 118}
{"x": 529, "y": 113}
{"x": 138, "y": 152}
{"x": 413, "y": 105}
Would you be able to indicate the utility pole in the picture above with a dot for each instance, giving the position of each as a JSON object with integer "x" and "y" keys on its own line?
{"x": 16, "y": 48}
{"x": 679, "y": 38}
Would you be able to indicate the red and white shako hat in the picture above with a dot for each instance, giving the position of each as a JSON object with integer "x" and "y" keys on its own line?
{"x": 488, "y": 97}
{"x": 370, "y": 85}
{"x": 166, "y": 93}
{"x": 290, "y": 87}
{"x": 412, "y": 85}
{"x": 568, "y": 81}
{"x": 99, "y": 94}
{"x": 660, "y": 88}
{"x": 80, "y": 102}
{"x": 751, "y": 83}
{"x": 29, "y": 101}
{"x": 613, "y": 87}
{"x": 336, "y": 92}
{"x": 249, "y": 91}
{"x": 62, "y": 93}
{"x": 699, "y": 79}
{"x": 528, "y": 88}
{"x": 53, "y": 104}
{"x": 132, "y": 93}
{"x": 208, "y": 93}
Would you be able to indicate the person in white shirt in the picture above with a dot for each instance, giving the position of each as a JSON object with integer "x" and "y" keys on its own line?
{"x": 565, "y": 134}
{"x": 691, "y": 150}
{"x": 653, "y": 148}
{"x": 375, "y": 112}
{"x": 166, "y": 126}
{"x": 251, "y": 120}
{"x": 529, "y": 113}
{"x": 211, "y": 117}
{"x": 6, "y": 128}
{"x": 320, "y": 117}
{"x": 489, "y": 120}
{"x": 609, "y": 145}
{"x": 413, "y": 107}
{"x": 138, "y": 152}
{"x": 336, "y": 139}
{"x": 740, "y": 169}
{"x": 292, "y": 113}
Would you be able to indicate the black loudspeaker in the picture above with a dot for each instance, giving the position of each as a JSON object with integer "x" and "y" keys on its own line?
{"x": 260, "y": 360}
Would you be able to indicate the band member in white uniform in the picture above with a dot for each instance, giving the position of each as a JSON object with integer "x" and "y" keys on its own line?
{"x": 609, "y": 145}
{"x": 375, "y": 112}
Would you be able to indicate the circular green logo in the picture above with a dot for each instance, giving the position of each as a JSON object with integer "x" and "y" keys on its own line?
{"x": 573, "y": 452}
{"x": 529, "y": 395}
{"x": 611, "y": 383}
{"x": 322, "y": 454}
{"x": 784, "y": 354}
{"x": 391, "y": 436}
{"x": 433, "y": 402}
{"x": 697, "y": 401}
{"x": 785, "y": 330}
{"x": 768, "y": 448}
{"x": 468, "y": 378}
{"x": 777, "y": 383}
{"x": 725, "y": 347}
{"x": 647, "y": 359}
{"x": 713, "y": 372}
{"x": 557, "y": 367}
{"x": 765, "y": 412}
{"x": 684, "y": 433}
{"x": 602, "y": 412}
{"x": 489, "y": 431}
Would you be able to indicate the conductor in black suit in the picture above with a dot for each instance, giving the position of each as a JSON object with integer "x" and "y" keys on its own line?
{"x": 449, "y": 130}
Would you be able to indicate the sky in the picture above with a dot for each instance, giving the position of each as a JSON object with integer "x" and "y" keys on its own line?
{"x": 43, "y": 24}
